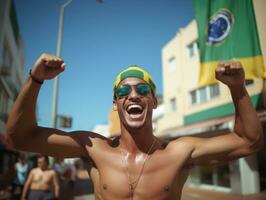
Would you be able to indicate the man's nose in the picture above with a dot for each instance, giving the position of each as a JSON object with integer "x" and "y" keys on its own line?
{"x": 133, "y": 94}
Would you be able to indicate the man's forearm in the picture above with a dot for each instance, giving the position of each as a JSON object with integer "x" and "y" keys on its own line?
{"x": 25, "y": 191}
{"x": 57, "y": 192}
{"x": 22, "y": 118}
{"x": 247, "y": 123}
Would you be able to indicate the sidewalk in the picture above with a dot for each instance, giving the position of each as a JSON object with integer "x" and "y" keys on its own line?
{"x": 200, "y": 194}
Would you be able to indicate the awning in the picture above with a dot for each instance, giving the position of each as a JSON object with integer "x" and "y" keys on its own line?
{"x": 217, "y": 124}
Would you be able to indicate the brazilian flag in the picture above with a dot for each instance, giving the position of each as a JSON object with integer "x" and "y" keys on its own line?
{"x": 227, "y": 31}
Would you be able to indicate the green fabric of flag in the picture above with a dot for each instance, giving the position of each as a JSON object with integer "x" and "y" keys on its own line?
{"x": 227, "y": 30}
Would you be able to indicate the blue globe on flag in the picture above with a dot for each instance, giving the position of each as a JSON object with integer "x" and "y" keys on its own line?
{"x": 219, "y": 26}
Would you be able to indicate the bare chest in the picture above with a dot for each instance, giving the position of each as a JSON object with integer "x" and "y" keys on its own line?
{"x": 160, "y": 177}
{"x": 42, "y": 178}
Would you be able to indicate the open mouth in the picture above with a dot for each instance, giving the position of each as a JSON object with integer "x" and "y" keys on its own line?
{"x": 134, "y": 110}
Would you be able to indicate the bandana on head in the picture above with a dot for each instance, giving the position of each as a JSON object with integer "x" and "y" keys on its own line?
{"x": 134, "y": 71}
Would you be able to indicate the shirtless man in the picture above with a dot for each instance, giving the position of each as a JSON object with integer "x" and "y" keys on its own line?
{"x": 136, "y": 165}
{"x": 42, "y": 183}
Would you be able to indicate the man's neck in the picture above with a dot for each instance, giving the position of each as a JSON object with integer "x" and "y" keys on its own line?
{"x": 43, "y": 168}
{"x": 136, "y": 141}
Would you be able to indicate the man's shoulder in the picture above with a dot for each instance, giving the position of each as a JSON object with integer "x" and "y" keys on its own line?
{"x": 184, "y": 142}
{"x": 35, "y": 170}
{"x": 84, "y": 135}
{"x": 89, "y": 139}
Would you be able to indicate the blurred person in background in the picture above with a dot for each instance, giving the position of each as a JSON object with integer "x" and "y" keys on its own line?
{"x": 21, "y": 169}
{"x": 42, "y": 182}
{"x": 58, "y": 167}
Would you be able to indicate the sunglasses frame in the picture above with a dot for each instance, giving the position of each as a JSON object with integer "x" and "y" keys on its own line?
{"x": 136, "y": 89}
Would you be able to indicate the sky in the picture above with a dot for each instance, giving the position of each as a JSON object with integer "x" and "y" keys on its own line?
{"x": 99, "y": 40}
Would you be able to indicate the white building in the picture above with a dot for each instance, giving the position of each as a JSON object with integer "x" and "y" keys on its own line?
{"x": 208, "y": 111}
{"x": 11, "y": 71}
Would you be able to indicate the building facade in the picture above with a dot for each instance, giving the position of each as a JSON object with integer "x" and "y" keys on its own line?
{"x": 11, "y": 73}
{"x": 208, "y": 111}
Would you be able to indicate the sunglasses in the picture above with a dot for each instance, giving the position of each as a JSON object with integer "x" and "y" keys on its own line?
{"x": 142, "y": 89}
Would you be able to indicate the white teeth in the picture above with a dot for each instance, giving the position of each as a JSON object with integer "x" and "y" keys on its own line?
{"x": 134, "y": 106}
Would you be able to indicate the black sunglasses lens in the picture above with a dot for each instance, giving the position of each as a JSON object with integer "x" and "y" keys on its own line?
{"x": 123, "y": 90}
{"x": 143, "y": 89}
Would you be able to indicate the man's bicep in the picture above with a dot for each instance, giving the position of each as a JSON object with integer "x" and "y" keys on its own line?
{"x": 218, "y": 149}
{"x": 57, "y": 143}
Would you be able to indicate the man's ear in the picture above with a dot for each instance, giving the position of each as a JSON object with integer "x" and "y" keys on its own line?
{"x": 114, "y": 106}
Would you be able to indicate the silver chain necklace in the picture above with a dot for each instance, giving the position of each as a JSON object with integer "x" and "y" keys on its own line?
{"x": 132, "y": 184}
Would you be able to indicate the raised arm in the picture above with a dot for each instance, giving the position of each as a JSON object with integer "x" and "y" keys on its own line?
{"x": 22, "y": 131}
{"x": 247, "y": 136}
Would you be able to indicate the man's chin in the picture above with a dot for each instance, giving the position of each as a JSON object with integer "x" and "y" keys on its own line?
{"x": 135, "y": 125}
{"x": 135, "y": 122}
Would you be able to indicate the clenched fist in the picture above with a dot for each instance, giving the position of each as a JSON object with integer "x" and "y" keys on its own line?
{"x": 47, "y": 67}
{"x": 230, "y": 73}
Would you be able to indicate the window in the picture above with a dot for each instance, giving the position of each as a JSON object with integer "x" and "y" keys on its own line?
{"x": 4, "y": 103}
{"x": 249, "y": 82}
{"x": 173, "y": 104}
{"x": 193, "y": 97}
{"x": 172, "y": 64}
{"x": 192, "y": 48}
{"x": 214, "y": 90}
{"x": 204, "y": 94}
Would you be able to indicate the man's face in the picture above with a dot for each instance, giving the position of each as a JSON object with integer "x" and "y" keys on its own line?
{"x": 135, "y": 110}
{"x": 42, "y": 163}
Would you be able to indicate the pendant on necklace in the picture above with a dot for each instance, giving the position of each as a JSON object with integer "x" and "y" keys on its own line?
{"x": 131, "y": 185}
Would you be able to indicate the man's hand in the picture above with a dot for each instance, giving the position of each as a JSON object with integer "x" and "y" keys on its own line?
{"x": 230, "y": 73}
{"x": 47, "y": 67}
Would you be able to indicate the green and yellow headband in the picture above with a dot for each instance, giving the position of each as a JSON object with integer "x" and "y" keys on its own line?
{"x": 134, "y": 71}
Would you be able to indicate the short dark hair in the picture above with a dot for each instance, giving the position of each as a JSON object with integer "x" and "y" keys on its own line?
{"x": 46, "y": 158}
